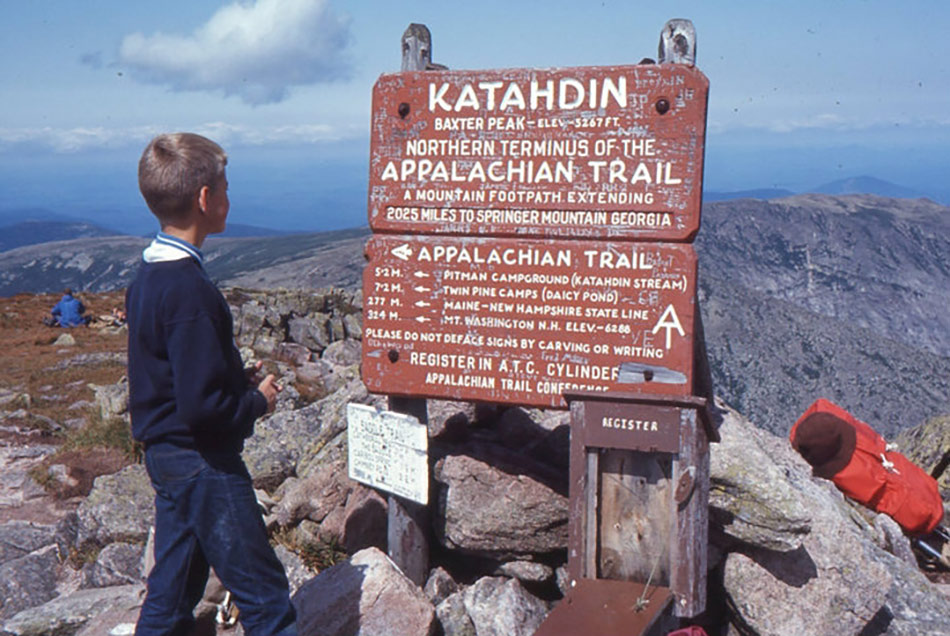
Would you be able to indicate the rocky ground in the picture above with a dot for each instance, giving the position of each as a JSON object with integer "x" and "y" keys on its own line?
{"x": 788, "y": 553}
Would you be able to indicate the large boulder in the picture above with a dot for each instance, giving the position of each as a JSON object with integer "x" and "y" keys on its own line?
{"x": 750, "y": 497}
{"x": 120, "y": 507}
{"x": 117, "y": 564}
{"x": 487, "y": 510}
{"x": 366, "y": 595}
{"x": 68, "y": 614}
{"x": 502, "y": 607}
{"x": 28, "y": 581}
{"x": 19, "y": 538}
{"x": 840, "y": 580}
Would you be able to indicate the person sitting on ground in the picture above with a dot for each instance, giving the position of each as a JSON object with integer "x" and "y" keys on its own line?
{"x": 68, "y": 312}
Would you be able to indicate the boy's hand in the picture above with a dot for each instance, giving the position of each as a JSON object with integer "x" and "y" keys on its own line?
{"x": 269, "y": 388}
{"x": 253, "y": 373}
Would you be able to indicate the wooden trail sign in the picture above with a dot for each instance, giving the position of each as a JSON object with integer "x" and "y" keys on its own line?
{"x": 590, "y": 152}
{"x": 522, "y": 321}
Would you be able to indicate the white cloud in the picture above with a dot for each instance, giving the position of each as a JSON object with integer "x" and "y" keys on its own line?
{"x": 75, "y": 140}
{"x": 256, "y": 51}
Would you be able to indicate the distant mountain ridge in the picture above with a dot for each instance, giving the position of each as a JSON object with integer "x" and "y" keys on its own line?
{"x": 33, "y": 232}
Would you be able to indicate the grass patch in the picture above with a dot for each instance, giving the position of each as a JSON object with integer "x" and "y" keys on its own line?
{"x": 114, "y": 433}
{"x": 318, "y": 556}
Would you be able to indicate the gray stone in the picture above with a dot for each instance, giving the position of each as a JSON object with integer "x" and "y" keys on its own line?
{"x": 361, "y": 523}
{"x": 492, "y": 512}
{"x": 28, "y": 581}
{"x": 272, "y": 453}
{"x": 449, "y": 420}
{"x": 19, "y": 538}
{"x": 120, "y": 507}
{"x": 343, "y": 353}
{"x": 337, "y": 331}
{"x": 67, "y": 614}
{"x": 292, "y": 353}
{"x": 890, "y": 537}
{"x": 365, "y": 595}
{"x": 312, "y": 332}
{"x": 526, "y": 571}
{"x": 113, "y": 399}
{"x": 502, "y": 607}
{"x": 439, "y": 586}
{"x": 454, "y": 618}
{"x": 353, "y": 326}
{"x": 315, "y": 496}
{"x": 65, "y": 340}
{"x": 750, "y": 497}
{"x": 839, "y": 581}
{"x": 117, "y": 564}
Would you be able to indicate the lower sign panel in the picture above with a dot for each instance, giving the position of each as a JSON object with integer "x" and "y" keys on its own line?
{"x": 522, "y": 321}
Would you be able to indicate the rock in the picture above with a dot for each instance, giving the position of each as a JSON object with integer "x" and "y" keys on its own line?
{"x": 343, "y": 353}
{"x": 750, "y": 498}
{"x": 440, "y": 586}
{"x": 362, "y": 522}
{"x": 65, "y": 340}
{"x": 292, "y": 353}
{"x": 838, "y": 581}
{"x": 526, "y": 571}
{"x": 491, "y": 512}
{"x": 298, "y": 442}
{"x": 117, "y": 564}
{"x": 892, "y": 538}
{"x": 502, "y": 607}
{"x": 365, "y": 595}
{"x": 353, "y": 326}
{"x": 449, "y": 420}
{"x": 312, "y": 332}
{"x": 454, "y": 619}
{"x": 19, "y": 538}
{"x": 113, "y": 399}
{"x": 272, "y": 453}
{"x": 120, "y": 507}
{"x": 28, "y": 581}
{"x": 315, "y": 496}
{"x": 67, "y": 614}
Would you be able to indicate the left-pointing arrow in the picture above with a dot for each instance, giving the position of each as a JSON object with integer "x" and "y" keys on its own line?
{"x": 403, "y": 251}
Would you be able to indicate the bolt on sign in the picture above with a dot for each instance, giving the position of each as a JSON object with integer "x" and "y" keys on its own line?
{"x": 389, "y": 451}
{"x": 524, "y": 320}
{"x": 591, "y": 152}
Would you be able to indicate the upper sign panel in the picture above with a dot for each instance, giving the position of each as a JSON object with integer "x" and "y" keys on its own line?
{"x": 591, "y": 152}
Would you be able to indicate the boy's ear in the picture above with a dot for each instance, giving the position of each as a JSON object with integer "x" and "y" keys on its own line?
{"x": 203, "y": 194}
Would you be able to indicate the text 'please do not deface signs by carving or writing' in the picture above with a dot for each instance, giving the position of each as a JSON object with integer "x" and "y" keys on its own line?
{"x": 523, "y": 321}
{"x": 606, "y": 152}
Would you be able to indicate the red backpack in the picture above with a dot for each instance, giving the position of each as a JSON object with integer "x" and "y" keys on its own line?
{"x": 842, "y": 448}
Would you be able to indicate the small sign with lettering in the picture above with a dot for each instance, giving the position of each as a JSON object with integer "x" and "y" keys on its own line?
{"x": 389, "y": 451}
{"x": 640, "y": 427}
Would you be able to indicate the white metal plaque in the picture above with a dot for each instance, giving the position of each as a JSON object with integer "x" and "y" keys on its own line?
{"x": 389, "y": 451}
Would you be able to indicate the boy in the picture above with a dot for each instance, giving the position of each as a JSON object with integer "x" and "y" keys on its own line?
{"x": 192, "y": 405}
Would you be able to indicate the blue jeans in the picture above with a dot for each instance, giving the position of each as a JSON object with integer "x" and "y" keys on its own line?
{"x": 206, "y": 514}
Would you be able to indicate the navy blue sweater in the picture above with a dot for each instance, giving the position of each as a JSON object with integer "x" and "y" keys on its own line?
{"x": 187, "y": 384}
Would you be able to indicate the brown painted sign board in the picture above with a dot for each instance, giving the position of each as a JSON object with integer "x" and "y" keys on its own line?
{"x": 611, "y": 152}
{"x": 524, "y": 320}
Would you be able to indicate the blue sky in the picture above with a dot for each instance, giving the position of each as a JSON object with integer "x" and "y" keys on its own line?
{"x": 801, "y": 93}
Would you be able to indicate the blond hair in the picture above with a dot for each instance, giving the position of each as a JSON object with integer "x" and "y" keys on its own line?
{"x": 172, "y": 170}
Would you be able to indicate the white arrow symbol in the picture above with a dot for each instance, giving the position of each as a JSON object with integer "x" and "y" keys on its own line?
{"x": 422, "y": 289}
{"x": 423, "y": 319}
{"x": 421, "y": 274}
{"x": 403, "y": 251}
{"x": 422, "y": 303}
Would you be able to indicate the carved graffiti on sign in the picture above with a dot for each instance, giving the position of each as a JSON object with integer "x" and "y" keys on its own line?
{"x": 522, "y": 321}
{"x": 605, "y": 152}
